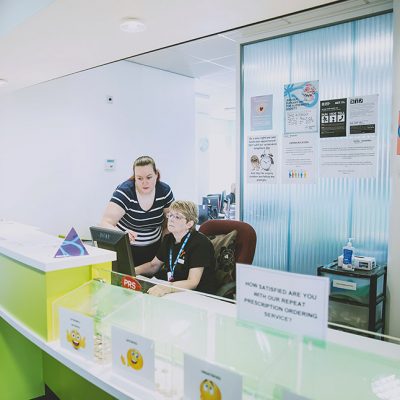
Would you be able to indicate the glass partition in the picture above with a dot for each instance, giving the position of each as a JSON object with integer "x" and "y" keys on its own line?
{"x": 272, "y": 364}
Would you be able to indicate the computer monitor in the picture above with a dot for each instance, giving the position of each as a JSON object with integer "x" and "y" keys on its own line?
{"x": 213, "y": 202}
{"x": 118, "y": 241}
{"x": 203, "y": 213}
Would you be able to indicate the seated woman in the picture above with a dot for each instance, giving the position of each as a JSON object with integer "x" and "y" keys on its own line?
{"x": 186, "y": 257}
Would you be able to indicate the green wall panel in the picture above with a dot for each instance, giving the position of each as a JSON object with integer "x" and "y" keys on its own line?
{"x": 21, "y": 375}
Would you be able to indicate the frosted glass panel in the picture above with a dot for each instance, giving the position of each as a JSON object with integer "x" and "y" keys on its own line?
{"x": 301, "y": 226}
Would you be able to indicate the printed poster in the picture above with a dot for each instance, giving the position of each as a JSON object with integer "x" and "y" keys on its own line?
{"x": 262, "y": 158}
{"x": 77, "y": 333}
{"x": 348, "y": 157}
{"x": 299, "y": 159}
{"x": 203, "y": 380}
{"x": 333, "y": 118}
{"x": 301, "y": 107}
{"x": 294, "y": 303}
{"x": 363, "y": 114}
{"x": 133, "y": 357}
{"x": 261, "y": 113}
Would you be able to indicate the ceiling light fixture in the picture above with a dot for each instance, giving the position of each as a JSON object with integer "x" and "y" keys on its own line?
{"x": 3, "y": 82}
{"x": 132, "y": 25}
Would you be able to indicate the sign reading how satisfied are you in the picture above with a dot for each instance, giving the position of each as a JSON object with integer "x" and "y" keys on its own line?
{"x": 286, "y": 301}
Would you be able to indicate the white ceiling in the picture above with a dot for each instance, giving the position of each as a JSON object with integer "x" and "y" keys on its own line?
{"x": 42, "y": 39}
{"x": 218, "y": 53}
{"x": 212, "y": 60}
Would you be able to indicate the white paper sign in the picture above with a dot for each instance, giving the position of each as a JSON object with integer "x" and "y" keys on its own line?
{"x": 282, "y": 300}
{"x": 363, "y": 114}
{"x": 133, "y": 357}
{"x": 262, "y": 163}
{"x": 77, "y": 333}
{"x": 203, "y": 380}
{"x": 261, "y": 112}
{"x": 299, "y": 159}
{"x": 353, "y": 157}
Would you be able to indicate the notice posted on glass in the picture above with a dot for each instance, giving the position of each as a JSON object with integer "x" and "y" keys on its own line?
{"x": 349, "y": 157}
{"x": 296, "y": 303}
{"x": 301, "y": 107}
{"x": 299, "y": 158}
{"x": 262, "y": 158}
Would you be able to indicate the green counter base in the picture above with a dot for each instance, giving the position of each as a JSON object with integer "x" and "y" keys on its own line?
{"x": 21, "y": 372}
{"x": 25, "y": 369}
{"x": 67, "y": 385}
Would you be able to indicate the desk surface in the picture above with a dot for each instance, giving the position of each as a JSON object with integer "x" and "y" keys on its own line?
{"x": 104, "y": 377}
{"x": 36, "y": 249}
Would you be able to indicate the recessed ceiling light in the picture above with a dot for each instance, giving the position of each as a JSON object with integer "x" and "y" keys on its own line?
{"x": 132, "y": 25}
{"x": 3, "y": 82}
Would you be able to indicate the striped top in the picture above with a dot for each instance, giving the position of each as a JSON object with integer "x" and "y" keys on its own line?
{"x": 147, "y": 224}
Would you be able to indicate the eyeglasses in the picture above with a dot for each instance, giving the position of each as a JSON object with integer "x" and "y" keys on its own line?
{"x": 175, "y": 216}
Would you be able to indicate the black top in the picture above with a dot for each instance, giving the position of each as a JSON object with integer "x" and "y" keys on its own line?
{"x": 198, "y": 252}
{"x": 148, "y": 224}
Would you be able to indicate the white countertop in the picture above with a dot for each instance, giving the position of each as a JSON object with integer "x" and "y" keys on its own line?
{"x": 36, "y": 249}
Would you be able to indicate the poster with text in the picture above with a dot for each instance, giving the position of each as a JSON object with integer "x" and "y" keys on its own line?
{"x": 133, "y": 357}
{"x": 363, "y": 114}
{"x": 348, "y": 157}
{"x": 206, "y": 381}
{"x": 301, "y": 107}
{"x": 299, "y": 159}
{"x": 333, "y": 118}
{"x": 286, "y": 301}
{"x": 261, "y": 113}
{"x": 77, "y": 333}
{"x": 262, "y": 158}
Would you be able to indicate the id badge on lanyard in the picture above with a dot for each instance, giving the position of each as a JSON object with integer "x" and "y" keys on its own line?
{"x": 170, "y": 274}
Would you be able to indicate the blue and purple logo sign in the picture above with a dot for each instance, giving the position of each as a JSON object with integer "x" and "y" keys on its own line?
{"x": 71, "y": 246}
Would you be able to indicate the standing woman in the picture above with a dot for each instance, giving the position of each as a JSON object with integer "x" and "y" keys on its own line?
{"x": 138, "y": 206}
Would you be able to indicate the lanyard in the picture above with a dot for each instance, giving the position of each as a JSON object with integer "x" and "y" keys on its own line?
{"x": 172, "y": 266}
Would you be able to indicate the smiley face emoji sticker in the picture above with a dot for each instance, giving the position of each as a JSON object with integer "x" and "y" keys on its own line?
{"x": 134, "y": 359}
{"x": 76, "y": 339}
{"x": 209, "y": 390}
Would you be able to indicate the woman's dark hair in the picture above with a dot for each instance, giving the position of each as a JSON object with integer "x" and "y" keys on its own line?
{"x": 142, "y": 162}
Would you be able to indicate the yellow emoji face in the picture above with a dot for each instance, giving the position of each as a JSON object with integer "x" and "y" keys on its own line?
{"x": 209, "y": 390}
{"x": 76, "y": 339}
{"x": 135, "y": 359}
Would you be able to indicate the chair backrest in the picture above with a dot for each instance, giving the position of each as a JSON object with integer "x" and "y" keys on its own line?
{"x": 246, "y": 238}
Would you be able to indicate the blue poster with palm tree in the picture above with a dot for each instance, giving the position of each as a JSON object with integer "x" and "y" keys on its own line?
{"x": 301, "y": 107}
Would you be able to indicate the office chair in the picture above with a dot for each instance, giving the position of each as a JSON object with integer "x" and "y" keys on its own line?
{"x": 245, "y": 246}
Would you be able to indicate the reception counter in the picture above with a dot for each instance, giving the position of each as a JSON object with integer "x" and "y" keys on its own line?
{"x": 31, "y": 278}
{"x": 271, "y": 364}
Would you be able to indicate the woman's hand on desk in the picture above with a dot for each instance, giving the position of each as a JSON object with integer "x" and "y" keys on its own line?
{"x": 160, "y": 290}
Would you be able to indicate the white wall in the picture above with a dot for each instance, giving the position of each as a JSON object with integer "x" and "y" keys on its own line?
{"x": 215, "y": 125}
{"x": 55, "y": 137}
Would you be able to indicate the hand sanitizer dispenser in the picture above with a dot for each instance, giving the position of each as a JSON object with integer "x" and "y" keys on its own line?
{"x": 348, "y": 254}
